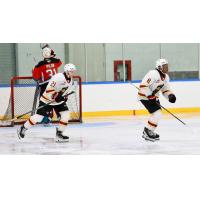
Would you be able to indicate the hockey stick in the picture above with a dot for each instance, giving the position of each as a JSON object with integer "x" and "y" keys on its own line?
{"x": 163, "y": 107}
{"x": 36, "y": 95}
{"x": 171, "y": 114}
{"x": 20, "y": 116}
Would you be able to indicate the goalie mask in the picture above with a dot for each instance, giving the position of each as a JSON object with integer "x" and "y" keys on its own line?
{"x": 162, "y": 65}
{"x": 48, "y": 53}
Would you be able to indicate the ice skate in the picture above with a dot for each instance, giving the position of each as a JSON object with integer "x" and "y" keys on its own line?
{"x": 157, "y": 137}
{"x": 150, "y": 135}
{"x": 21, "y": 132}
{"x": 47, "y": 122}
{"x": 60, "y": 137}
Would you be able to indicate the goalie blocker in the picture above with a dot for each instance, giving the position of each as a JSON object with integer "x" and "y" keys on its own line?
{"x": 55, "y": 94}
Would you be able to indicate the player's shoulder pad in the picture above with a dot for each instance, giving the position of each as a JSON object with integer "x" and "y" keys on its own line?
{"x": 153, "y": 74}
{"x": 55, "y": 60}
{"x": 41, "y": 63}
{"x": 58, "y": 77}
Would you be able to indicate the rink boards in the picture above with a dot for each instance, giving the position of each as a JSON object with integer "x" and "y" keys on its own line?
{"x": 107, "y": 99}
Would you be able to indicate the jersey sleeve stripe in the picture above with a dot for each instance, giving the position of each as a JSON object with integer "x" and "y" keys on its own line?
{"x": 143, "y": 95}
{"x": 165, "y": 91}
{"x": 142, "y": 86}
{"x": 48, "y": 91}
{"x": 45, "y": 98}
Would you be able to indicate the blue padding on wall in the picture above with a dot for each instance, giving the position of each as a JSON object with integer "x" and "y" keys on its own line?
{"x": 110, "y": 82}
{"x": 135, "y": 81}
{"x": 18, "y": 85}
{"x": 22, "y": 85}
{"x": 4, "y": 85}
{"x": 105, "y": 82}
{"x": 185, "y": 80}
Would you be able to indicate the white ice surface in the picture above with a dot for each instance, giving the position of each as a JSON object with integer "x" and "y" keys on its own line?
{"x": 110, "y": 135}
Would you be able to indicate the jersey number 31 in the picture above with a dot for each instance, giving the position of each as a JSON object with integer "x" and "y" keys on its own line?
{"x": 51, "y": 72}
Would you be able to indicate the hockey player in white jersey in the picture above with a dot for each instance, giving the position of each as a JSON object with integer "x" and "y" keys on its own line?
{"x": 154, "y": 82}
{"x": 56, "y": 92}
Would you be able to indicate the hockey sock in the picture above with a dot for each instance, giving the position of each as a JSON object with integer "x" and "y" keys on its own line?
{"x": 64, "y": 120}
{"x": 153, "y": 120}
{"x": 33, "y": 120}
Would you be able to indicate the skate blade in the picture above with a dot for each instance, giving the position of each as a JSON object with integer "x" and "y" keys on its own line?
{"x": 148, "y": 139}
{"x": 58, "y": 140}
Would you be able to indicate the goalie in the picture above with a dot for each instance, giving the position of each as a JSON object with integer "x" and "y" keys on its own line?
{"x": 153, "y": 83}
{"x": 56, "y": 92}
{"x": 45, "y": 69}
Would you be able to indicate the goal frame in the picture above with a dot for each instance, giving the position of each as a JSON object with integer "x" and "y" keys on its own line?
{"x": 12, "y": 86}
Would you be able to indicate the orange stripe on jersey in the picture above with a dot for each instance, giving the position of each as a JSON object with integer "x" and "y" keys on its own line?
{"x": 31, "y": 122}
{"x": 47, "y": 91}
{"x": 142, "y": 86}
{"x": 141, "y": 94}
{"x": 45, "y": 98}
{"x": 152, "y": 124}
{"x": 166, "y": 91}
{"x": 63, "y": 123}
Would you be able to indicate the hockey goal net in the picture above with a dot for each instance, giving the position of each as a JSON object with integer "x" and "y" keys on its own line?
{"x": 24, "y": 97}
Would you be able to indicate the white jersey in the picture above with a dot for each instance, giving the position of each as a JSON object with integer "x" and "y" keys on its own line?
{"x": 154, "y": 82}
{"x": 57, "y": 83}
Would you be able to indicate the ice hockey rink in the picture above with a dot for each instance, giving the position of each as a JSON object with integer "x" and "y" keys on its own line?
{"x": 107, "y": 135}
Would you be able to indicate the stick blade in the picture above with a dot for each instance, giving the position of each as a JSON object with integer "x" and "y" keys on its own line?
{"x": 6, "y": 123}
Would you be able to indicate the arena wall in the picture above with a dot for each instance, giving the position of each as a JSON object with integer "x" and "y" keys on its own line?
{"x": 103, "y": 99}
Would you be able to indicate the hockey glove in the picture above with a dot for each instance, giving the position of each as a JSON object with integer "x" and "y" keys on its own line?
{"x": 60, "y": 98}
{"x": 157, "y": 89}
{"x": 172, "y": 98}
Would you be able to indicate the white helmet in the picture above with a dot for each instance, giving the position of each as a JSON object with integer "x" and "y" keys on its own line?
{"x": 160, "y": 62}
{"x": 69, "y": 67}
{"x": 46, "y": 52}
